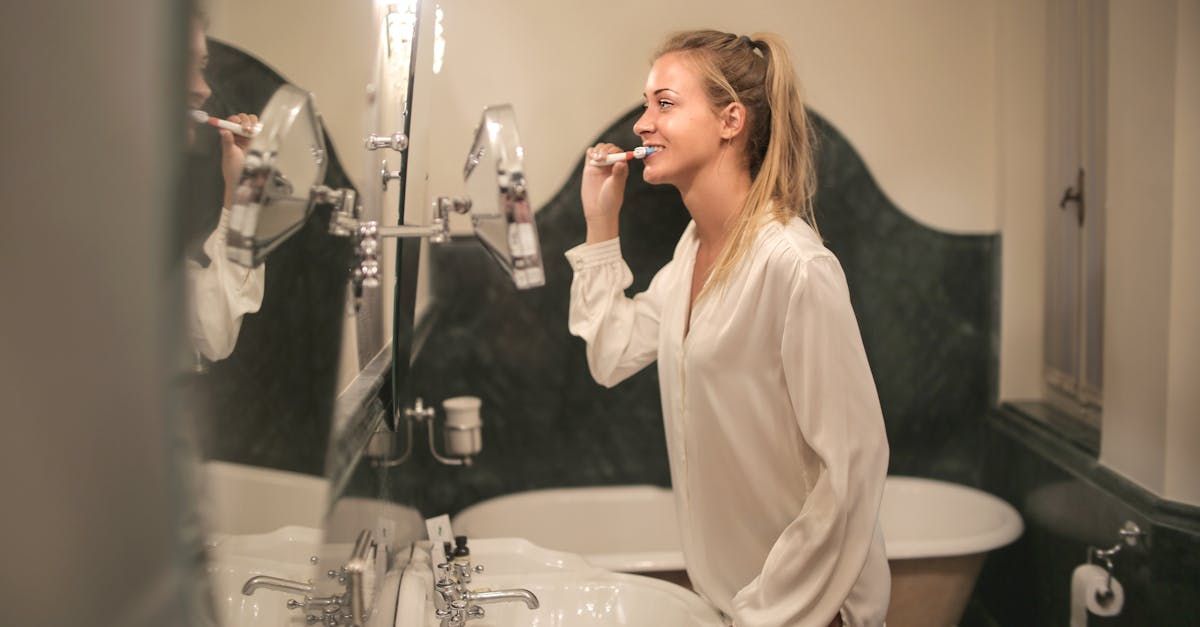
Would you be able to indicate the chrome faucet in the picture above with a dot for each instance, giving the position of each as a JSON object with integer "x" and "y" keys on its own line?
{"x": 501, "y": 596}
{"x": 275, "y": 583}
{"x": 455, "y": 604}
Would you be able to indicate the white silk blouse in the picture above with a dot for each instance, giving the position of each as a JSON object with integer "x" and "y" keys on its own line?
{"x": 220, "y": 295}
{"x": 774, "y": 431}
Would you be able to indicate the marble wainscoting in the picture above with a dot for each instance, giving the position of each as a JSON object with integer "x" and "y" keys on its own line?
{"x": 926, "y": 303}
{"x": 1069, "y": 502}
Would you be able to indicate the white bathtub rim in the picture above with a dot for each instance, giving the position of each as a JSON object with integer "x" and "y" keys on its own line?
{"x": 1010, "y": 525}
{"x": 641, "y": 491}
{"x": 999, "y": 536}
{"x": 638, "y": 561}
{"x": 644, "y": 562}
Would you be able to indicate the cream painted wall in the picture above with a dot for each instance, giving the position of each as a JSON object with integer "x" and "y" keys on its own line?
{"x": 1021, "y": 193}
{"x": 327, "y": 48}
{"x": 1151, "y": 409}
{"x": 1182, "y": 480}
{"x": 1138, "y": 254}
{"x": 944, "y": 101}
{"x": 912, "y": 85}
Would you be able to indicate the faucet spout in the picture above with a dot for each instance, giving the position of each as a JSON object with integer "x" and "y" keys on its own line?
{"x": 275, "y": 583}
{"x": 501, "y": 596}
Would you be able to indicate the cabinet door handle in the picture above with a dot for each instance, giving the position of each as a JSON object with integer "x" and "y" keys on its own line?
{"x": 1075, "y": 195}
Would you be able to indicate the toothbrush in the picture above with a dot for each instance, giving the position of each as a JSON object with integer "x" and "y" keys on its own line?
{"x": 641, "y": 152}
{"x": 201, "y": 117}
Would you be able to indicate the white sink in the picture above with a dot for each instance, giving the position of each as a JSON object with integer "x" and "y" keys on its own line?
{"x": 571, "y": 592}
{"x": 596, "y": 598}
{"x": 261, "y": 521}
{"x": 234, "y": 559}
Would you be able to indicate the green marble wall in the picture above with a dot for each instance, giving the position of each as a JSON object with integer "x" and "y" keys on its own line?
{"x": 1069, "y": 501}
{"x": 926, "y": 303}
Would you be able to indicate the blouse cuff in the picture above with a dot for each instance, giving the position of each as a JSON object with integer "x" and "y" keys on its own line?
{"x": 586, "y": 256}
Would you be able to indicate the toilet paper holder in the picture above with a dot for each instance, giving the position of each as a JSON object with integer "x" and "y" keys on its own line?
{"x": 1130, "y": 534}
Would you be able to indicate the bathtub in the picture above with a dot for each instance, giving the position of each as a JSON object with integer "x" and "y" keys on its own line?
{"x": 936, "y": 533}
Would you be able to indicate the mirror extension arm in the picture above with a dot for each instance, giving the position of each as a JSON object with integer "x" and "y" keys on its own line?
{"x": 344, "y": 221}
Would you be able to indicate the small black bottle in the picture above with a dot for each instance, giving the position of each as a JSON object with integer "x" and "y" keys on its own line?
{"x": 462, "y": 554}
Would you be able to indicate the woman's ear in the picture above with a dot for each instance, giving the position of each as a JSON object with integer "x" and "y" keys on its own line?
{"x": 733, "y": 120}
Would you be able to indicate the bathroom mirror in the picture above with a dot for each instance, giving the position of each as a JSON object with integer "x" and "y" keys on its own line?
{"x": 361, "y": 517}
{"x": 499, "y": 197}
{"x": 262, "y": 411}
{"x": 284, "y": 162}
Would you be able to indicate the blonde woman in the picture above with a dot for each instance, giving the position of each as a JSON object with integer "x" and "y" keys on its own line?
{"x": 774, "y": 432}
{"x": 220, "y": 292}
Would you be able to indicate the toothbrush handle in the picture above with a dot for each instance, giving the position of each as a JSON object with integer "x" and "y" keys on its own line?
{"x": 233, "y": 127}
{"x": 628, "y": 155}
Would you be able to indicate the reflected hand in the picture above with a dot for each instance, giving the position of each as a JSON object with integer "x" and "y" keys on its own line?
{"x": 233, "y": 153}
{"x": 603, "y": 185}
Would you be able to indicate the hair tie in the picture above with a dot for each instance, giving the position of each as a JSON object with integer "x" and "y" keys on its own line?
{"x": 752, "y": 43}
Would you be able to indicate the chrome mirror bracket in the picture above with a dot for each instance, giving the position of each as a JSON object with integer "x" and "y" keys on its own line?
{"x": 344, "y": 221}
{"x": 396, "y": 141}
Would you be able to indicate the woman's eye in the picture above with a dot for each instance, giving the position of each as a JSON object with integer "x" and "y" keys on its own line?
{"x": 663, "y": 104}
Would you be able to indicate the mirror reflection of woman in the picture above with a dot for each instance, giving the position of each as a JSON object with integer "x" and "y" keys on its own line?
{"x": 221, "y": 292}
{"x": 774, "y": 431}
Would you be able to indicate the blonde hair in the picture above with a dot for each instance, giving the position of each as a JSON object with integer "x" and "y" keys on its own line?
{"x": 757, "y": 72}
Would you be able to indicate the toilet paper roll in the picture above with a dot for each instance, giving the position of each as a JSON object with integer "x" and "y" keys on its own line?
{"x": 1087, "y": 582}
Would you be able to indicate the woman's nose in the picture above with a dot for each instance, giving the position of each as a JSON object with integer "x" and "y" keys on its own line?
{"x": 200, "y": 91}
{"x": 644, "y": 124}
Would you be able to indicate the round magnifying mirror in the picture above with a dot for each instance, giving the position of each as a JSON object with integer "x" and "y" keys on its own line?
{"x": 499, "y": 200}
{"x": 284, "y": 162}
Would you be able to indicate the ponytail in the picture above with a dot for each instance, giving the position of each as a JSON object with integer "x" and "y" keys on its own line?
{"x": 757, "y": 72}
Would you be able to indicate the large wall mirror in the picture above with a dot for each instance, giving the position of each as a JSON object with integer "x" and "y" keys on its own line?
{"x": 309, "y": 217}
{"x": 284, "y": 343}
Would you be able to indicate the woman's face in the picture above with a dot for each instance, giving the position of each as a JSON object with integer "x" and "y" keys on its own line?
{"x": 680, "y": 120}
{"x": 197, "y": 88}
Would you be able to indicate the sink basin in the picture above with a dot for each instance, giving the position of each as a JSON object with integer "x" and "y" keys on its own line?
{"x": 592, "y": 599}
{"x": 571, "y": 592}
{"x": 234, "y": 559}
{"x": 285, "y": 552}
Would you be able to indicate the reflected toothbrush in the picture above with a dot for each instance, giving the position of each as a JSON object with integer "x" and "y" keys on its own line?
{"x": 641, "y": 152}
{"x": 201, "y": 117}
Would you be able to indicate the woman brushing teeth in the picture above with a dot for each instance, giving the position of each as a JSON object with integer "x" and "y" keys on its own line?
{"x": 774, "y": 432}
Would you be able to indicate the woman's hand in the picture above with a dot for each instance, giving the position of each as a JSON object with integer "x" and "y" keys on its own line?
{"x": 603, "y": 191}
{"x": 233, "y": 153}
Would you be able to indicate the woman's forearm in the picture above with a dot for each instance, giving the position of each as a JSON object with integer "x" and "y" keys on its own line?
{"x": 602, "y": 229}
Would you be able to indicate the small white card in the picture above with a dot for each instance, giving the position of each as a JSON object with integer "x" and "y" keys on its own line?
{"x": 439, "y": 534}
